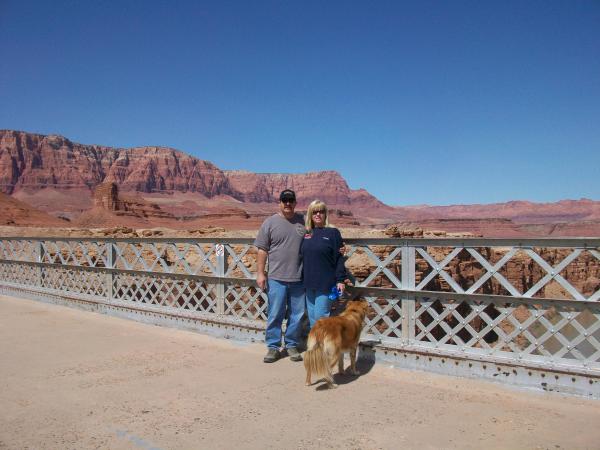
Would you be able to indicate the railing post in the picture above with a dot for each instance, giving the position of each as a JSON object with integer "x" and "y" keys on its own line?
{"x": 39, "y": 257}
{"x": 110, "y": 264}
{"x": 408, "y": 300}
{"x": 221, "y": 271}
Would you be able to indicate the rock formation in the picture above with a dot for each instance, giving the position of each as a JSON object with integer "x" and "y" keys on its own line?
{"x": 36, "y": 161}
{"x": 479, "y": 227}
{"x": 31, "y": 164}
{"x": 328, "y": 186}
{"x": 106, "y": 196}
{"x": 47, "y": 170}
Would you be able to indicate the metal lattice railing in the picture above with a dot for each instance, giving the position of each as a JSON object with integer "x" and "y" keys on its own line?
{"x": 527, "y": 302}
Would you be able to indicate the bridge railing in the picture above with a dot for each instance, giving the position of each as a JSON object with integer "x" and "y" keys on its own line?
{"x": 524, "y": 302}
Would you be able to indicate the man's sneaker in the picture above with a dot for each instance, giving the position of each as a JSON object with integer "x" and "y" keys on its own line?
{"x": 271, "y": 356}
{"x": 294, "y": 354}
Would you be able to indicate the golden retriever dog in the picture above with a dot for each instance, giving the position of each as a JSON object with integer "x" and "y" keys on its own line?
{"x": 330, "y": 338}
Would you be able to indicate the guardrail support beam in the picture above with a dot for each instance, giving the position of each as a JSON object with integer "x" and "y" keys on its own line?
{"x": 408, "y": 300}
{"x": 221, "y": 271}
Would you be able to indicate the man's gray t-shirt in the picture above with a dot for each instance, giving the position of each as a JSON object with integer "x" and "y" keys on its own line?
{"x": 281, "y": 239}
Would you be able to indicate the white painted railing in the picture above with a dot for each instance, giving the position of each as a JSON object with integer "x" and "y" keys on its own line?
{"x": 526, "y": 303}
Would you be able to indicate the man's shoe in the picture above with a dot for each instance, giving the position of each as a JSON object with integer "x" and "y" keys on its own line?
{"x": 272, "y": 355}
{"x": 294, "y": 354}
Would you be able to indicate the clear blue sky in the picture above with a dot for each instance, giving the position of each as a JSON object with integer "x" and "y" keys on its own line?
{"x": 437, "y": 102}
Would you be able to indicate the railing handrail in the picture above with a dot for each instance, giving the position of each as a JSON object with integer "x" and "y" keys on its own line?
{"x": 417, "y": 294}
{"x": 550, "y": 242}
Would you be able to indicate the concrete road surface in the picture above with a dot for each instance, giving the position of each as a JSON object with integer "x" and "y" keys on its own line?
{"x": 78, "y": 380}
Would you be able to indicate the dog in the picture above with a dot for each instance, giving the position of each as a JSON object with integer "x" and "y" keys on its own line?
{"x": 330, "y": 338}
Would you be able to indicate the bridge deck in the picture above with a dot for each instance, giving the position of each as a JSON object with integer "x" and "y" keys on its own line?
{"x": 74, "y": 379}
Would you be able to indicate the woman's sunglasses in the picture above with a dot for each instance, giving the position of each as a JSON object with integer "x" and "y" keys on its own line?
{"x": 319, "y": 211}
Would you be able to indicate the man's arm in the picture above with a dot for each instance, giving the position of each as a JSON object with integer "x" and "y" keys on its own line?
{"x": 261, "y": 261}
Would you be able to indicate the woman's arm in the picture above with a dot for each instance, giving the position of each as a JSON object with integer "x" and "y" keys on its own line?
{"x": 340, "y": 268}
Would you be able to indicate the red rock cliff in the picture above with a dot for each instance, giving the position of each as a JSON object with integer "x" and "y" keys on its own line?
{"x": 35, "y": 161}
{"x": 328, "y": 186}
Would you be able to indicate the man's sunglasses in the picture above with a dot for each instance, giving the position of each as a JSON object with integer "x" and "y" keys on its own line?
{"x": 288, "y": 200}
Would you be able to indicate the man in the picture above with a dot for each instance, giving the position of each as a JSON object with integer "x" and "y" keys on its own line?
{"x": 279, "y": 240}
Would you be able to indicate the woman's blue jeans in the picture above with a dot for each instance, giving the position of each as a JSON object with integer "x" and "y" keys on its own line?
{"x": 317, "y": 304}
{"x": 285, "y": 299}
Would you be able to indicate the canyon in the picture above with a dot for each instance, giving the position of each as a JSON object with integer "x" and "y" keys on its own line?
{"x": 62, "y": 182}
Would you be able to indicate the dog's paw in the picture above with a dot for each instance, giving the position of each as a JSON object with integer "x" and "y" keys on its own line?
{"x": 332, "y": 386}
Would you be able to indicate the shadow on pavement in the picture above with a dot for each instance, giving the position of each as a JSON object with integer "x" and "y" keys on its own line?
{"x": 364, "y": 363}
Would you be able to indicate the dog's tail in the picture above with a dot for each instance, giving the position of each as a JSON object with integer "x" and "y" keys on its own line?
{"x": 316, "y": 361}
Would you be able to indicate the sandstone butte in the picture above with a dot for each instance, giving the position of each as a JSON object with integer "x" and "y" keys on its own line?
{"x": 159, "y": 186}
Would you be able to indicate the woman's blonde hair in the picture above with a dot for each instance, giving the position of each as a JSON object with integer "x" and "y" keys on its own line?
{"x": 315, "y": 205}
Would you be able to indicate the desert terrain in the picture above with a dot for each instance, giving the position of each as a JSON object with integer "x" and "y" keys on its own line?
{"x": 49, "y": 181}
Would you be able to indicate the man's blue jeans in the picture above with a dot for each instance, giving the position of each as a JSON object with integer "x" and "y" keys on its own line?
{"x": 284, "y": 297}
{"x": 318, "y": 305}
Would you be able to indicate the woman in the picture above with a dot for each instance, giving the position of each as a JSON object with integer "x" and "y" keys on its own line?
{"x": 323, "y": 264}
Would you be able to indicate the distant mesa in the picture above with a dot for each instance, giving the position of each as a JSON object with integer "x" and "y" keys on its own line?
{"x": 33, "y": 161}
{"x": 42, "y": 170}
{"x": 91, "y": 184}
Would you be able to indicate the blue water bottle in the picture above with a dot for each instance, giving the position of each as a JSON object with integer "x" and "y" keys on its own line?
{"x": 335, "y": 293}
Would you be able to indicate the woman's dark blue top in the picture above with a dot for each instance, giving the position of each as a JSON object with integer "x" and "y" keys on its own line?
{"x": 322, "y": 263}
